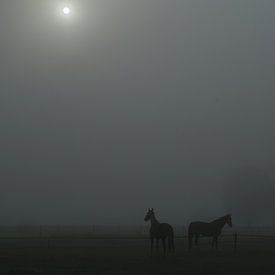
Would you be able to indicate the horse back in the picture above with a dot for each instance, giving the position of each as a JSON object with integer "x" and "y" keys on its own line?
{"x": 203, "y": 228}
{"x": 166, "y": 227}
{"x": 162, "y": 230}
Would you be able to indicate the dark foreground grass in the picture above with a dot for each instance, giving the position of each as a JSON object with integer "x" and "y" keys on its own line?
{"x": 255, "y": 256}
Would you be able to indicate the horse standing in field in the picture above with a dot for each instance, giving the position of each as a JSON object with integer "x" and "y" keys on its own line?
{"x": 160, "y": 231}
{"x": 209, "y": 229}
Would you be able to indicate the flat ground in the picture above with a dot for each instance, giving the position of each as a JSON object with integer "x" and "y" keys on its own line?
{"x": 132, "y": 256}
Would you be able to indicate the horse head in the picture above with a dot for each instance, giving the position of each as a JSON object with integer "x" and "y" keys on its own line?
{"x": 150, "y": 214}
{"x": 228, "y": 220}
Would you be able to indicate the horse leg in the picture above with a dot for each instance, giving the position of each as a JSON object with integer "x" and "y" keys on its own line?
{"x": 216, "y": 241}
{"x": 213, "y": 242}
{"x": 172, "y": 243}
{"x": 190, "y": 238}
{"x": 152, "y": 245}
{"x": 169, "y": 243}
{"x": 197, "y": 239}
{"x": 157, "y": 244}
{"x": 164, "y": 245}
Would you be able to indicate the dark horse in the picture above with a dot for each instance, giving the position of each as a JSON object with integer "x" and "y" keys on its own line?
{"x": 160, "y": 231}
{"x": 209, "y": 229}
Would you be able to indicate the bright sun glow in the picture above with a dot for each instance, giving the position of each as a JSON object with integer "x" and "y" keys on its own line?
{"x": 66, "y": 11}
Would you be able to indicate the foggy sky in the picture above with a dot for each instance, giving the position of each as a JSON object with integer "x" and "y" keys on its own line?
{"x": 134, "y": 104}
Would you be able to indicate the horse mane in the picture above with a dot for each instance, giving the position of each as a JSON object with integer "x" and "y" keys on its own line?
{"x": 155, "y": 219}
{"x": 220, "y": 219}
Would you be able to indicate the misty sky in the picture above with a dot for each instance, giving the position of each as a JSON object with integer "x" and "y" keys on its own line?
{"x": 129, "y": 104}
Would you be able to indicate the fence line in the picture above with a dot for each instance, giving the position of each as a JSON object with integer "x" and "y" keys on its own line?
{"x": 97, "y": 231}
{"x": 125, "y": 237}
{"x": 78, "y": 241}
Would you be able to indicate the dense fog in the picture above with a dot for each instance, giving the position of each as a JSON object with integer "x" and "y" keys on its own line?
{"x": 126, "y": 104}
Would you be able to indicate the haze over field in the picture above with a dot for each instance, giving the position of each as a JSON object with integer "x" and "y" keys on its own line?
{"x": 134, "y": 104}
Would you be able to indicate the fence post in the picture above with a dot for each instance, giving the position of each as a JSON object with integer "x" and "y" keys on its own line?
{"x": 235, "y": 241}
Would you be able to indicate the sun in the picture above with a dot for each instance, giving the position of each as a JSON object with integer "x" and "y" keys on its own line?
{"x": 66, "y": 10}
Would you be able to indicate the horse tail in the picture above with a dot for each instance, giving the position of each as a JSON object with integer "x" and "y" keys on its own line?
{"x": 171, "y": 240}
{"x": 190, "y": 237}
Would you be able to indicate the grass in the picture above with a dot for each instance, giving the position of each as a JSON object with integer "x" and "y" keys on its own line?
{"x": 255, "y": 256}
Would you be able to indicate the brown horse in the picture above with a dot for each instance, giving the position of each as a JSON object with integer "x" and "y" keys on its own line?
{"x": 160, "y": 231}
{"x": 209, "y": 229}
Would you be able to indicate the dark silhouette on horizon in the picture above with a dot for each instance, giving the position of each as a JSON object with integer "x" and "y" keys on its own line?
{"x": 208, "y": 229}
{"x": 160, "y": 231}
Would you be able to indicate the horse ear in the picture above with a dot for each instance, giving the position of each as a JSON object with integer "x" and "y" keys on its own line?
{"x": 152, "y": 209}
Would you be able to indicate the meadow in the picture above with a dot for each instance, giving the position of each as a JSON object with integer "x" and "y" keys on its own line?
{"x": 130, "y": 254}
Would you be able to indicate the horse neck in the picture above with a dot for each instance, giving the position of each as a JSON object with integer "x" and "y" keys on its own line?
{"x": 220, "y": 222}
{"x": 154, "y": 221}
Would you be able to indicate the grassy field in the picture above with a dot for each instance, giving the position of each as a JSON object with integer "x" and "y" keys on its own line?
{"x": 132, "y": 256}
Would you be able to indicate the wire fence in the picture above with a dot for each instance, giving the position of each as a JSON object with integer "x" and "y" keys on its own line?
{"x": 88, "y": 231}
{"x": 92, "y": 236}
{"x": 100, "y": 231}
